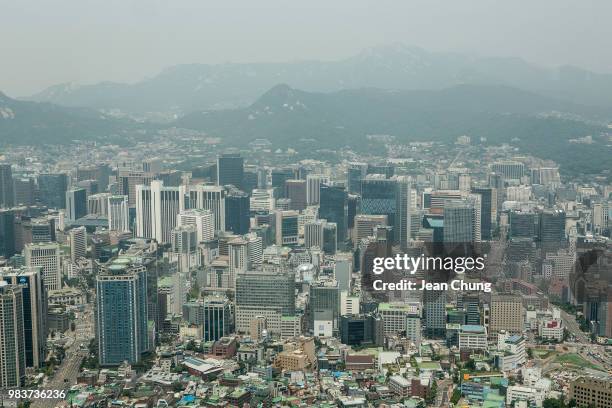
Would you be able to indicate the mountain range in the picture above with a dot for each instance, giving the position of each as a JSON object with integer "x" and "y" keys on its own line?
{"x": 310, "y": 121}
{"x": 25, "y": 122}
{"x": 187, "y": 88}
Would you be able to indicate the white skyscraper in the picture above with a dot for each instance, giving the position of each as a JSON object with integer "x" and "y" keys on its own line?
{"x": 203, "y": 220}
{"x": 313, "y": 187}
{"x": 157, "y": 208}
{"x": 78, "y": 243}
{"x": 476, "y": 201}
{"x": 313, "y": 233}
{"x": 118, "y": 215}
{"x": 238, "y": 258}
{"x": 254, "y": 249}
{"x": 209, "y": 198}
{"x": 144, "y": 227}
{"x": 47, "y": 256}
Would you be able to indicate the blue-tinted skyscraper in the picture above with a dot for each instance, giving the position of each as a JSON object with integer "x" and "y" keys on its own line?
{"x": 333, "y": 208}
{"x": 122, "y": 313}
{"x": 379, "y": 197}
{"x": 34, "y": 311}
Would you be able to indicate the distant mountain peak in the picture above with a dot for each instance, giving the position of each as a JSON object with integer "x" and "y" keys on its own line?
{"x": 278, "y": 95}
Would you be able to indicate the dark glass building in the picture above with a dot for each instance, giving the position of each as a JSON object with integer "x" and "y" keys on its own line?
{"x": 361, "y": 329}
{"x": 230, "y": 170}
{"x": 333, "y": 208}
{"x": 6, "y": 186}
{"x": 237, "y": 212}
{"x": 7, "y": 233}
{"x": 52, "y": 190}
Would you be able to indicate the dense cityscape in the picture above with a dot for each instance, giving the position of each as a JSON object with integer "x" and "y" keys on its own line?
{"x": 174, "y": 270}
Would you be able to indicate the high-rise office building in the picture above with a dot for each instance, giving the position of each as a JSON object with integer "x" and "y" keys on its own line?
{"x": 121, "y": 290}
{"x": 523, "y": 224}
{"x": 203, "y": 220}
{"x": 404, "y": 208}
{"x": 238, "y": 258}
{"x": 98, "y": 204}
{"x": 552, "y": 229}
{"x": 237, "y": 212}
{"x": 157, "y": 208}
{"x": 7, "y": 233}
{"x": 144, "y": 215}
{"x": 76, "y": 203}
{"x": 25, "y": 190}
{"x": 270, "y": 294}
{"x": 506, "y": 313}
{"x": 12, "y": 337}
{"x": 254, "y": 249}
{"x": 78, "y": 243}
{"x": 330, "y": 238}
{"x": 488, "y": 203}
{"x": 42, "y": 229}
{"x": 118, "y": 213}
{"x": 278, "y": 178}
{"x": 98, "y": 172}
{"x": 230, "y": 170}
{"x": 324, "y": 305}
{"x": 458, "y": 221}
{"x": 313, "y": 233}
{"x": 128, "y": 179}
{"x": 185, "y": 247}
{"x": 313, "y": 187}
{"x": 365, "y": 224}
{"x": 413, "y": 328}
{"x": 214, "y": 313}
{"x": 379, "y": 196}
{"x": 250, "y": 181}
{"x": 52, "y": 189}
{"x": 209, "y": 198}
{"x": 434, "y": 309}
{"x": 356, "y": 330}
{"x": 286, "y": 228}
{"x": 262, "y": 201}
{"x": 333, "y": 208}
{"x": 354, "y": 174}
{"x": 510, "y": 170}
{"x": 7, "y": 196}
{"x": 46, "y": 256}
{"x": 34, "y": 311}
{"x": 296, "y": 191}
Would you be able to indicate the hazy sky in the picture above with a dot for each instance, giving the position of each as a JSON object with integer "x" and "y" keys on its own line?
{"x": 44, "y": 42}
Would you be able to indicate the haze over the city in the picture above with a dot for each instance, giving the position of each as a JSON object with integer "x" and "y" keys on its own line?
{"x": 46, "y": 43}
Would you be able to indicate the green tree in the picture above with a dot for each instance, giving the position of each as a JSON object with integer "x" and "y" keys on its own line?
{"x": 432, "y": 393}
{"x": 456, "y": 396}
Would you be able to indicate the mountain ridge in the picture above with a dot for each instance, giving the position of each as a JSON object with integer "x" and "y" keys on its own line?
{"x": 192, "y": 87}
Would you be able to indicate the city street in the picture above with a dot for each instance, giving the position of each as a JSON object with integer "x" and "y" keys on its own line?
{"x": 68, "y": 370}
